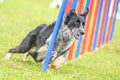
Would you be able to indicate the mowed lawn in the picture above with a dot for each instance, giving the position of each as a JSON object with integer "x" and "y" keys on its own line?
{"x": 18, "y": 17}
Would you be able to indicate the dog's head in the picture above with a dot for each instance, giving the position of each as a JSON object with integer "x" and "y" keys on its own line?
{"x": 76, "y": 22}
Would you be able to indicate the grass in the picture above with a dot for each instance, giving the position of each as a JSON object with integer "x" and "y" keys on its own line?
{"x": 18, "y": 17}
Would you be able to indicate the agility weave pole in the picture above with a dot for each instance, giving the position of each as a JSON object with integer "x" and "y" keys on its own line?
{"x": 99, "y": 27}
{"x": 95, "y": 30}
{"x": 111, "y": 21}
{"x": 91, "y": 38}
{"x": 54, "y": 35}
{"x": 114, "y": 20}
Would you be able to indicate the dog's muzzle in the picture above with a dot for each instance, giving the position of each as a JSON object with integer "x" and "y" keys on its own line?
{"x": 78, "y": 32}
{"x": 82, "y": 32}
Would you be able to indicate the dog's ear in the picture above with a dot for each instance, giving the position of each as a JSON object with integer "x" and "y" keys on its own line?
{"x": 72, "y": 11}
{"x": 84, "y": 14}
{"x": 69, "y": 16}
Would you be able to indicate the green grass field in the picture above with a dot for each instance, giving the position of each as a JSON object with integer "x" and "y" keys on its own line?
{"x": 18, "y": 17}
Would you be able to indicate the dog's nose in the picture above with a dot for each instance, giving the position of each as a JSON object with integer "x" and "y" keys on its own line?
{"x": 82, "y": 33}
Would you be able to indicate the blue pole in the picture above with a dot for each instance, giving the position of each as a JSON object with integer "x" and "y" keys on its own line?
{"x": 80, "y": 39}
{"x": 74, "y": 4}
{"x": 77, "y": 52}
{"x": 106, "y": 23}
{"x": 114, "y": 20}
{"x": 54, "y": 35}
{"x": 97, "y": 25}
{"x": 87, "y": 4}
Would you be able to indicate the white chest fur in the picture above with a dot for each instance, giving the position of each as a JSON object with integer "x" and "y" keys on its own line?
{"x": 64, "y": 40}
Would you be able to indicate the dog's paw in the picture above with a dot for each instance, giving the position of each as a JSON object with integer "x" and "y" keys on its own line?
{"x": 25, "y": 57}
{"x": 24, "y": 60}
{"x": 58, "y": 62}
{"x": 7, "y": 57}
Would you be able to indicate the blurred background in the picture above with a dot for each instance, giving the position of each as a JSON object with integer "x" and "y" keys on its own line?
{"x": 18, "y": 17}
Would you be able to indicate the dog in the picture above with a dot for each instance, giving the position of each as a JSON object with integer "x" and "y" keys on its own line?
{"x": 71, "y": 29}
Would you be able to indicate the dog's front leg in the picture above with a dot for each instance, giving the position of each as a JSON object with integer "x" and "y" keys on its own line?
{"x": 38, "y": 55}
{"x": 41, "y": 52}
{"x": 54, "y": 56}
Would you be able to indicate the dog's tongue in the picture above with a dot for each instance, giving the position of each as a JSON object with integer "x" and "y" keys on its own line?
{"x": 76, "y": 34}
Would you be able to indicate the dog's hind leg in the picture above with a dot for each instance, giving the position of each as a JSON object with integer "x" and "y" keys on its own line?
{"x": 10, "y": 52}
{"x": 18, "y": 49}
{"x": 25, "y": 56}
{"x": 7, "y": 56}
{"x": 25, "y": 45}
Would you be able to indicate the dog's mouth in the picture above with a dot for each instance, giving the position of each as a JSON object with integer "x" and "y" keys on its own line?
{"x": 76, "y": 33}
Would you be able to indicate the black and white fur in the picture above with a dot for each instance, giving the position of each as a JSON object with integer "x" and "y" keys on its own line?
{"x": 72, "y": 27}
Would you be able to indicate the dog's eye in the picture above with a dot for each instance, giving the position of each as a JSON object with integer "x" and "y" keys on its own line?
{"x": 83, "y": 24}
{"x": 68, "y": 17}
{"x": 74, "y": 24}
{"x": 78, "y": 21}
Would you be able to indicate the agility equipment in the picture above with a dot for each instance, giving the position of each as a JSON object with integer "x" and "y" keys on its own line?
{"x": 99, "y": 27}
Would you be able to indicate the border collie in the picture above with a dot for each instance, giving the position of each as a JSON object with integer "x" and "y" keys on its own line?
{"x": 72, "y": 28}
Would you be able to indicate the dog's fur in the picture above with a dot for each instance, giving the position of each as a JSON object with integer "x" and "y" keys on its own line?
{"x": 72, "y": 27}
